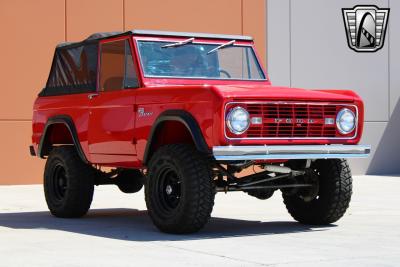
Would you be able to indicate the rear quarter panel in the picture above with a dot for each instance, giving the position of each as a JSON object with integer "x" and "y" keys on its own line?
{"x": 75, "y": 106}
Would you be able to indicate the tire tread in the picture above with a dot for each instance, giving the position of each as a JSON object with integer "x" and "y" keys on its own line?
{"x": 81, "y": 178}
{"x": 200, "y": 188}
{"x": 337, "y": 189}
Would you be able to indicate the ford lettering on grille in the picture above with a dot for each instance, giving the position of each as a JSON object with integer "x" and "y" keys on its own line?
{"x": 288, "y": 120}
{"x": 292, "y": 120}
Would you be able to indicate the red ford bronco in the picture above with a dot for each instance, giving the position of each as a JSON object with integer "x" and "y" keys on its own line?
{"x": 185, "y": 114}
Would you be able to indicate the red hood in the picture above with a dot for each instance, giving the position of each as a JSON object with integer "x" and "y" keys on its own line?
{"x": 269, "y": 92}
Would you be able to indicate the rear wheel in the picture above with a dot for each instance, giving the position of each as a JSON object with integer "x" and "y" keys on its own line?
{"x": 328, "y": 200}
{"x": 68, "y": 183}
{"x": 179, "y": 189}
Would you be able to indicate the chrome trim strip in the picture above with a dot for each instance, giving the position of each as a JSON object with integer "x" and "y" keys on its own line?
{"x": 266, "y": 152}
{"x": 192, "y": 34}
{"x": 265, "y": 79}
{"x": 290, "y": 138}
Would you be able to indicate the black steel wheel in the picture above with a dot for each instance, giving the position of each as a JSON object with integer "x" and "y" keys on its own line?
{"x": 68, "y": 183}
{"x": 168, "y": 191}
{"x": 179, "y": 189}
{"x": 328, "y": 201}
{"x": 59, "y": 182}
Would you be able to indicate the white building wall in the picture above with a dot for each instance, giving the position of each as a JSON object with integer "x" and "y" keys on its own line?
{"x": 307, "y": 48}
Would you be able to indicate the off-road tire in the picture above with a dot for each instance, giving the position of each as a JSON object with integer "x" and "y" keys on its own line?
{"x": 335, "y": 189}
{"x": 130, "y": 181}
{"x": 72, "y": 198}
{"x": 196, "y": 189}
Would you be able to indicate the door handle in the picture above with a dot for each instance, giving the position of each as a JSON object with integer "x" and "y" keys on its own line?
{"x": 91, "y": 96}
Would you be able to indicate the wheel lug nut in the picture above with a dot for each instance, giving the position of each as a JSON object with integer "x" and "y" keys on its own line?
{"x": 168, "y": 189}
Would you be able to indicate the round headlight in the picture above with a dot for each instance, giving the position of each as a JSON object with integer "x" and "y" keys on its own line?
{"x": 345, "y": 121}
{"x": 238, "y": 120}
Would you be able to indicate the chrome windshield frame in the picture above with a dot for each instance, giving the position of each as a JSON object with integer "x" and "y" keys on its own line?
{"x": 213, "y": 42}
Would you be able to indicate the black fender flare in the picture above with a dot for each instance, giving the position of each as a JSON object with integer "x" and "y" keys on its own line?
{"x": 69, "y": 123}
{"x": 187, "y": 120}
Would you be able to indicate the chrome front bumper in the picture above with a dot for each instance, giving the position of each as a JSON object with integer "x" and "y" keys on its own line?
{"x": 265, "y": 152}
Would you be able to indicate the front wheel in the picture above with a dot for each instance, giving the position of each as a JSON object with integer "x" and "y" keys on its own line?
{"x": 179, "y": 189}
{"x": 333, "y": 182}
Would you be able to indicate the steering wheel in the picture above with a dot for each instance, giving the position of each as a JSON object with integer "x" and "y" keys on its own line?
{"x": 225, "y": 72}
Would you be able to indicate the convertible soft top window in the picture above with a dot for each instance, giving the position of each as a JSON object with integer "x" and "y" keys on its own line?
{"x": 74, "y": 67}
{"x": 73, "y": 70}
{"x": 188, "y": 59}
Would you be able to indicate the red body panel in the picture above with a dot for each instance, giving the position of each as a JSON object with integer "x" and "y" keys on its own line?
{"x": 113, "y": 133}
{"x": 112, "y": 127}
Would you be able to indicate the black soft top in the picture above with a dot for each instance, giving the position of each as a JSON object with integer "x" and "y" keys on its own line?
{"x": 74, "y": 67}
{"x": 105, "y": 35}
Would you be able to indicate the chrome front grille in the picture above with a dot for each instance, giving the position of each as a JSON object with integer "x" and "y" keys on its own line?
{"x": 288, "y": 120}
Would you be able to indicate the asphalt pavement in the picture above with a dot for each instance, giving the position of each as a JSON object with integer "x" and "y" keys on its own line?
{"x": 243, "y": 231}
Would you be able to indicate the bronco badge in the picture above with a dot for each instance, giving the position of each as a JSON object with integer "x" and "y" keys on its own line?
{"x": 143, "y": 113}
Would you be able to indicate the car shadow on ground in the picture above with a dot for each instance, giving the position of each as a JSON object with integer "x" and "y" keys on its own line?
{"x": 135, "y": 225}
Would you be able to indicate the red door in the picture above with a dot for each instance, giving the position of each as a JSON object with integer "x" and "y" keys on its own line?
{"x": 111, "y": 109}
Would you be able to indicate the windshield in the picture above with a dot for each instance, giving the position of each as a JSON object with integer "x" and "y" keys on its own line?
{"x": 199, "y": 60}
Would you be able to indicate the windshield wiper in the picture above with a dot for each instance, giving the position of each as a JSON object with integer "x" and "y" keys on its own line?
{"x": 190, "y": 40}
{"x": 221, "y": 46}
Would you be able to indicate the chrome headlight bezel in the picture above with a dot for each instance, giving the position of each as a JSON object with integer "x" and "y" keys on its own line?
{"x": 340, "y": 123}
{"x": 230, "y": 116}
